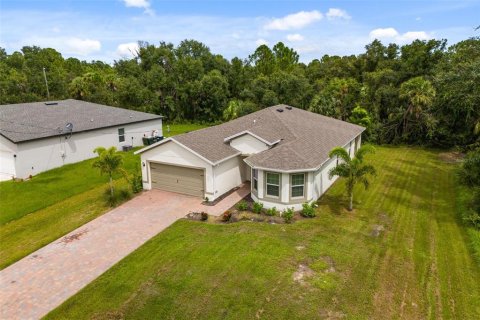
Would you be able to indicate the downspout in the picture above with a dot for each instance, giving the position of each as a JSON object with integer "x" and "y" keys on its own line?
{"x": 213, "y": 173}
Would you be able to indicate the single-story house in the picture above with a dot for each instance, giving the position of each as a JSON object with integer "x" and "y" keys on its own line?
{"x": 283, "y": 151}
{"x": 39, "y": 136}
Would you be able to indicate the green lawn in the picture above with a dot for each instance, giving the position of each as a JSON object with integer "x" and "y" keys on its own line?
{"x": 36, "y": 212}
{"x": 419, "y": 268}
{"x": 53, "y": 186}
{"x": 181, "y": 128}
{"x": 21, "y": 237}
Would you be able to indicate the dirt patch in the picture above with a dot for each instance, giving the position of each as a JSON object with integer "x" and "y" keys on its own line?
{"x": 254, "y": 217}
{"x": 110, "y": 315}
{"x": 451, "y": 157}
{"x": 73, "y": 237}
{"x": 332, "y": 315}
{"x": 259, "y": 313}
{"x": 384, "y": 218}
{"x": 330, "y": 263}
{"x": 303, "y": 272}
{"x": 377, "y": 230}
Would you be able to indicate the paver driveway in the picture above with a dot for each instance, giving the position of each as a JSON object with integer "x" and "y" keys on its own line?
{"x": 38, "y": 283}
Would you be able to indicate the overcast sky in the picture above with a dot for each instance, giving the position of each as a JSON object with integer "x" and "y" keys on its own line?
{"x": 109, "y": 29}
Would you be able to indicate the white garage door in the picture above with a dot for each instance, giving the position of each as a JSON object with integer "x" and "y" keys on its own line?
{"x": 177, "y": 179}
{"x": 7, "y": 165}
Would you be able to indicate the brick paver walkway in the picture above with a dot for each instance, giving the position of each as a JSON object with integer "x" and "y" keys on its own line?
{"x": 40, "y": 282}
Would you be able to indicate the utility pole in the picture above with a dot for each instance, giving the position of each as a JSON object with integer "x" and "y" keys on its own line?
{"x": 46, "y": 83}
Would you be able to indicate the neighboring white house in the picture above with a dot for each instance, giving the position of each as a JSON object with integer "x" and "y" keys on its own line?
{"x": 283, "y": 151}
{"x": 39, "y": 136}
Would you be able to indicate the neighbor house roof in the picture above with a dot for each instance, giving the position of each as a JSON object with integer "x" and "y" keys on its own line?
{"x": 300, "y": 139}
{"x": 30, "y": 121}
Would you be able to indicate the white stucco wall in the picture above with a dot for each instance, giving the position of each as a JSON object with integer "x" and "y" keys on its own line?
{"x": 8, "y": 150}
{"x": 325, "y": 182}
{"x": 172, "y": 153}
{"x": 228, "y": 175}
{"x": 248, "y": 144}
{"x": 40, "y": 155}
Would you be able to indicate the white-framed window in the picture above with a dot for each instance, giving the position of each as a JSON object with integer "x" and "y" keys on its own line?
{"x": 255, "y": 179}
{"x": 297, "y": 183}
{"x": 121, "y": 134}
{"x": 273, "y": 184}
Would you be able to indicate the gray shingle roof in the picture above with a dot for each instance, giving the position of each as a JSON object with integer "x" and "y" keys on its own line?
{"x": 306, "y": 138}
{"x": 30, "y": 121}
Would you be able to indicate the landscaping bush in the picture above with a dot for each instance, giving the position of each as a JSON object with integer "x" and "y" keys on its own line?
{"x": 272, "y": 212}
{"x": 471, "y": 212}
{"x": 288, "y": 215}
{"x": 469, "y": 172}
{"x": 257, "y": 207}
{"x": 469, "y": 175}
{"x": 136, "y": 182}
{"x": 204, "y": 216}
{"x": 119, "y": 195}
{"x": 242, "y": 205}
{"x": 308, "y": 210}
{"x": 226, "y": 216}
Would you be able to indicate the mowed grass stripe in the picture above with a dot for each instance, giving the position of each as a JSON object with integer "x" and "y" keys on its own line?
{"x": 456, "y": 269}
{"x": 390, "y": 294}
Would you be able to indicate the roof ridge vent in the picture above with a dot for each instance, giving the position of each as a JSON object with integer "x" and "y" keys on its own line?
{"x": 51, "y": 103}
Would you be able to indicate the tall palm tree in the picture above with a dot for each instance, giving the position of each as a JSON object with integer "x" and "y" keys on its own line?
{"x": 419, "y": 94}
{"x": 109, "y": 162}
{"x": 352, "y": 169}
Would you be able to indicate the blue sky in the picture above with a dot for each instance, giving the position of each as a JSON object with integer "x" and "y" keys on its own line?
{"x": 109, "y": 29}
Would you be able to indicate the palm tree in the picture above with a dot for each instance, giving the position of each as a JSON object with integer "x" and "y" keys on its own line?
{"x": 109, "y": 162}
{"x": 419, "y": 94}
{"x": 352, "y": 169}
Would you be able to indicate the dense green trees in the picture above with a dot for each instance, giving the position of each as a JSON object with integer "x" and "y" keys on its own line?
{"x": 422, "y": 92}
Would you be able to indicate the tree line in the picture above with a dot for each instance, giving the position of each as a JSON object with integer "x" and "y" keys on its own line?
{"x": 424, "y": 92}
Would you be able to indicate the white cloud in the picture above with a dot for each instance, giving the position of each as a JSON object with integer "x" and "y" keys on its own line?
{"x": 382, "y": 33}
{"x": 260, "y": 42}
{"x": 145, "y": 4}
{"x": 82, "y": 47}
{"x": 295, "y": 37}
{"x": 390, "y": 34}
{"x": 127, "y": 50}
{"x": 297, "y": 20}
{"x": 137, "y": 3}
{"x": 335, "y": 13}
{"x": 414, "y": 35}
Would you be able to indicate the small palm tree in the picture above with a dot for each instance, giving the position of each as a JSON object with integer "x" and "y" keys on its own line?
{"x": 352, "y": 169}
{"x": 109, "y": 162}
